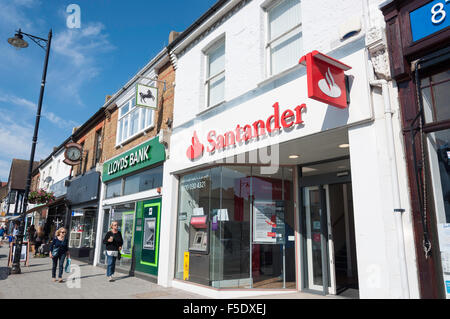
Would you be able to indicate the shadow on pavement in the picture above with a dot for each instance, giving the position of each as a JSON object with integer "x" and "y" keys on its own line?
{"x": 4, "y": 273}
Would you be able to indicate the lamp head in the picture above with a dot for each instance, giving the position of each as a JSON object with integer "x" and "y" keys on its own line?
{"x": 18, "y": 41}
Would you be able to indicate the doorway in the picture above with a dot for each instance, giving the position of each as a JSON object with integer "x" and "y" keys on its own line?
{"x": 329, "y": 258}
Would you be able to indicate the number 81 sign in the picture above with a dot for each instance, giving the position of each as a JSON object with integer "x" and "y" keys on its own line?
{"x": 429, "y": 19}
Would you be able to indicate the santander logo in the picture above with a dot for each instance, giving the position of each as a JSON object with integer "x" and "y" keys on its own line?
{"x": 328, "y": 86}
{"x": 196, "y": 149}
{"x": 242, "y": 133}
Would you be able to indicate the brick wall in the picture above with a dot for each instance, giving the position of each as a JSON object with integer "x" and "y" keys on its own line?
{"x": 162, "y": 114}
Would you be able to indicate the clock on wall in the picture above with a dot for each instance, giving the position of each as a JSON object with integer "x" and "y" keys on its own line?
{"x": 73, "y": 154}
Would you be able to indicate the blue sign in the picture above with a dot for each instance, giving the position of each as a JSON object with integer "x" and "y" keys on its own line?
{"x": 447, "y": 285}
{"x": 429, "y": 19}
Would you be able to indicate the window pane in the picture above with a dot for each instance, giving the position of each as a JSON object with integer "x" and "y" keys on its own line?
{"x": 119, "y": 133}
{"x": 124, "y": 109}
{"x": 284, "y": 17}
{"x": 142, "y": 118}
{"x": 216, "y": 90}
{"x": 113, "y": 189}
{"x": 125, "y": 128}
{"x": 436, "y": 98}
{"x": 140, "y": 182}
{"x": 149, "y": 117}
{"x": 217, "y": 60}
{"x": 134, "y": 124}
{"x": 442, "y": 100}
{"x": 285, "y": 52}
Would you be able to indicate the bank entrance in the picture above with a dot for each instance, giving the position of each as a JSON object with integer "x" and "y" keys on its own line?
{"x": 327, "y": 227}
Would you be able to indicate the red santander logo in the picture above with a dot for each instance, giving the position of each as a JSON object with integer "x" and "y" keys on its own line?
{"x": 196, "y": 149}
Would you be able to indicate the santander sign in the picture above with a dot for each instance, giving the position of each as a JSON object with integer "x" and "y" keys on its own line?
{"x": 326, "y": 83}
{"x": 246, "y": 132}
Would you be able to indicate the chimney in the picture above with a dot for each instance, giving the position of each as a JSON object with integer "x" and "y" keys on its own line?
{"x": 107, "y": 98}
{"x": 173, "y": 35}
{"x": 74, "y": 129}
{"x": 55, "y": 148}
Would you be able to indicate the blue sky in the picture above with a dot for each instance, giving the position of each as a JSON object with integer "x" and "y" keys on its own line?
{"x": 115, "y": 40}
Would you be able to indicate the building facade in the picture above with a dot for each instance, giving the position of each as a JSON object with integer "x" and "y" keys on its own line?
{"x": 418, "y": 36}
{"x": 134, "y": 154}
{"x": 267, "y": 189}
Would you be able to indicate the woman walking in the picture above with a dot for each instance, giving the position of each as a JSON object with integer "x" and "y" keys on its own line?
{"x": 113, "y": 241}
{"x": 59, "y": 249}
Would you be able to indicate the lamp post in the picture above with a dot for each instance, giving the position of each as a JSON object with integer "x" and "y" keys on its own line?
{"x": 19, "y": 43}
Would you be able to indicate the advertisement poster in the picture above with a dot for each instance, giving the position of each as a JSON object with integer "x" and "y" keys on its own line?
{"x": 268, "y": 222}
{"x": 127, "y": 233}
{"x": 149, "y": 233}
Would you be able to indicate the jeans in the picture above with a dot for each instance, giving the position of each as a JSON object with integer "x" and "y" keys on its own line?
{"x": 61, "y": 259}
{"x": 111, "y": 262}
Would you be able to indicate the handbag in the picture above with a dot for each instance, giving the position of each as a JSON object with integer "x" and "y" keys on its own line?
{"x": 67, "y": 267}
{"x": 55, "y": 251}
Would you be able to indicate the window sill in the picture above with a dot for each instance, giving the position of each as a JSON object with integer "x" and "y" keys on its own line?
{"x": 129, "y": 139}
{"x": 277, "y": 76}
{"x": 210, "y": 108}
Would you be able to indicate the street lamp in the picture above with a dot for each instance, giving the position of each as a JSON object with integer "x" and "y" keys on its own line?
{"x": 18, "y": 42}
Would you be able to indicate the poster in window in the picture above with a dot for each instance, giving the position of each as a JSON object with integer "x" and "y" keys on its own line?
{"x": 268, "y": 222}
{"x": 149, "y": 233}
{"x": 128, "y": 221}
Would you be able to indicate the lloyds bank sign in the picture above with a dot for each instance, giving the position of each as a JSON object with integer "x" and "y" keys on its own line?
{"x": 146, "y": 154}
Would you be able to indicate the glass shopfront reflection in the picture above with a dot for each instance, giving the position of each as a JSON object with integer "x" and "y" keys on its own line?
{"x": 245, "y": 219}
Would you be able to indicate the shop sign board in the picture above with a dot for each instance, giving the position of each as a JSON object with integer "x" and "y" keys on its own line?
{"x": 429, "y": 19}
{"x": 326, "y": 79}
{"x": 146, "y": 96}
{"x": 141, "y": 156}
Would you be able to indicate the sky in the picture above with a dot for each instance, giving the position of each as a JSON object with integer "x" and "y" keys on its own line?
{"x": 114, "y": 40}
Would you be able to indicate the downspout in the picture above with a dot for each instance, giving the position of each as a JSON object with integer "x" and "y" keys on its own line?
{"x": 395, "y": 185}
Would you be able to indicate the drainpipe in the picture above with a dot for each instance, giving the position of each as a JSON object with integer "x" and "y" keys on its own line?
{"x": 395, "y": 185}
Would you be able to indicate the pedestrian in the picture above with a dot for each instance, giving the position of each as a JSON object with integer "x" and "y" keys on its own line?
{"x": 30, "y": 236}
{"x": 59, "y": 249}
{"x": 113, "y": 241}
{"x": 15, "y": 230}
{"x": 38, "y": 240}
{"x": 2, "y": 233}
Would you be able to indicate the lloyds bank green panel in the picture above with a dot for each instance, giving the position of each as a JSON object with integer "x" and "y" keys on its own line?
{"x": 146, "y": 236}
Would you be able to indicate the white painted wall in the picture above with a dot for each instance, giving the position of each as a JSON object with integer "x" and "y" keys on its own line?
{"x": 54, "y": 167}
{"x": 249, "y": 96}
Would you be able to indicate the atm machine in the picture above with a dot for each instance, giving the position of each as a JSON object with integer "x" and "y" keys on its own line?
{"x": 199, "y": 269}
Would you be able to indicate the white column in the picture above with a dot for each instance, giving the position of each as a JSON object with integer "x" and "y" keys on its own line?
{"x": 168, "y": 228}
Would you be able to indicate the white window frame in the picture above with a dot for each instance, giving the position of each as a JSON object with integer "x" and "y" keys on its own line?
{"x": 131, "y": 108}
{"x": 269, "y": 42}
{"x": 207, "y": 51}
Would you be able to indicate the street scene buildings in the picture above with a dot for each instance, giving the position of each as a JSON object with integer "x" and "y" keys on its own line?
{"x": 264, "y": 151}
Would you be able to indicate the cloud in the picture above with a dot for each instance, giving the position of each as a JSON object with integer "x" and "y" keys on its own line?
{"x": 80, "y": 50}
{"x": 15, "y": 139}
{"x": 50, "y": 116}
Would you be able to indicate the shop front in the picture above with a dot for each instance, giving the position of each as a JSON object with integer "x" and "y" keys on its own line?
{"x": 419, "y": 35}
{"x": 81, "y": 220}
{"x": 131, "y": 195}
{"x": 287, "y": 188}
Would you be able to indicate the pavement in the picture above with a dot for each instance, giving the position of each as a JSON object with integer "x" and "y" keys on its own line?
{"x": 35, "y": 282}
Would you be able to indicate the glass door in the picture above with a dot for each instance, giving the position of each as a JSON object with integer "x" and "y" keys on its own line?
{"x": 319, "y": 243}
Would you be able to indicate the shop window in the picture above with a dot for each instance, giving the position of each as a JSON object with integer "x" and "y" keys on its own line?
{"x": 143, "y": 181}
{"x": 284, "y": 39}
{"x": 114, "y": 189}
{"x": 250, "y": 219}
{"x": 436, "y": 94}
{"x": 132, "y": 120}
{"x": 82, "y": 229}
{"x": 215, "y": 74}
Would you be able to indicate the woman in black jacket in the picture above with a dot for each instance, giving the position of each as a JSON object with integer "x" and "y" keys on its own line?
{"x": 113, "y": 241}
{"x": 59, "y": 249}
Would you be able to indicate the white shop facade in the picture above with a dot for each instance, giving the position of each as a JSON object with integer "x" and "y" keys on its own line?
{"x": 272, "y": 191}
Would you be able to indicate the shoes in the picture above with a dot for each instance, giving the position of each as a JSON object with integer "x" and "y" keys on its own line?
{"x": 54, "y": 279}
{"x": 60, "y": 280}
{"x": 110, "y": 278}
